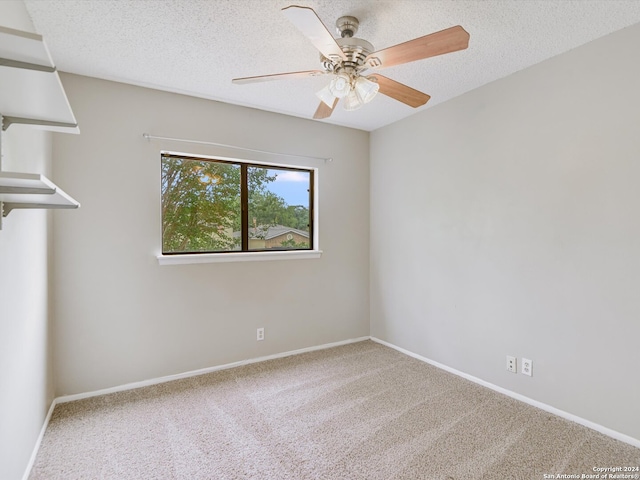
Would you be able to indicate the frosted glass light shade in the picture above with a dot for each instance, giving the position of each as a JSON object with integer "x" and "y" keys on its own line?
{"x": 365, "y": 89}
{"x": 340, "y": 85}
{"x": 326, "y": 96}
{"x": 352, "y": 102}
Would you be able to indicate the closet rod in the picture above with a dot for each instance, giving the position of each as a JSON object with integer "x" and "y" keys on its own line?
{"x": 200, "y": 142}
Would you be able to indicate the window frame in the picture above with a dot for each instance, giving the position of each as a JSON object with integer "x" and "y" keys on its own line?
{"x": 172, "y": 258}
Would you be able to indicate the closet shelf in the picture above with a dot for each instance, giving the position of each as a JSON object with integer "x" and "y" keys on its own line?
{"x": 29, "y": 190}
{"x": 32, "y": 93}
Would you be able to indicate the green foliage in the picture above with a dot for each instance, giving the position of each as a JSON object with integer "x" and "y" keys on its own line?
{"x": 201, "y": 205}
{"x": 293, "y": 244}
{"x": 268, "y": 209}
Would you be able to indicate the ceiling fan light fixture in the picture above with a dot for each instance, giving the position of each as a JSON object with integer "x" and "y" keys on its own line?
{"x": 340, "y": 85}
{"x": 326, "y": 96}
{"x": 352, "y": 102}
{"x": 346, "y": 57}
{"x": 365, "y": 89}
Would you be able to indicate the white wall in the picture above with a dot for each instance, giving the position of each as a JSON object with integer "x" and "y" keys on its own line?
{"x": 26, "y": 387}
{"x": 120, "y": 317}
{"x": 506, "y": 221}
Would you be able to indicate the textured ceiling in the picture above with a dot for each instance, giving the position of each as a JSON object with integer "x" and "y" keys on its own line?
{"x": 197, "y": 46}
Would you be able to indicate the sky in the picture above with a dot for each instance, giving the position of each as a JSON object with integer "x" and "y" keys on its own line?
{"x": 291, "y": 185}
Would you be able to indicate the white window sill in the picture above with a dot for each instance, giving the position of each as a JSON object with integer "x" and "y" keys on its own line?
{"x": 236, "y": 257}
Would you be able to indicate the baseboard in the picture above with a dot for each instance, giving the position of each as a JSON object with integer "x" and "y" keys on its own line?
{"x": 535, "y": 403}
{"x": 202, "y": 371}
{"x": 36, "y": 447}
{"x": 169, "y": 378}
{"x": 130, "y": 386}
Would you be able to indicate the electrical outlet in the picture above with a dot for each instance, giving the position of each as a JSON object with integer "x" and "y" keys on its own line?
{"x": 527, "y": 367}
{"x": 260, "y": 334}
{"x": 512, "y": 364}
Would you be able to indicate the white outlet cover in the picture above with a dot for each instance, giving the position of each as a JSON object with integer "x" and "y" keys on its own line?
{"x": 527, "y": 367}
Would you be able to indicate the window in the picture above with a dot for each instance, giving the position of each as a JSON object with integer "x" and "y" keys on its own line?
{"x": 212, "y": 205}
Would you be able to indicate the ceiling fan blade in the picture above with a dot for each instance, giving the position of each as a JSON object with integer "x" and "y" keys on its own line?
{"x": 278, "y": 76}
{"x": 324, "y": 110}
{"x": 308, "y": 22}
{"x": 399, "y": 91}
{"x": 438, "y": 43}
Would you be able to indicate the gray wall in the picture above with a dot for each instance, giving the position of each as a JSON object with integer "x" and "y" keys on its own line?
{"x": 120, "y": 317}
{"x": 506, "y": 222}
{"x": 502, "y": 222}
{"x": 26, "y": 387}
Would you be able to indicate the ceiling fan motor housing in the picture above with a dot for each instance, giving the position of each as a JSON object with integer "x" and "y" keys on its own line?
{"x": 356, "y": 51}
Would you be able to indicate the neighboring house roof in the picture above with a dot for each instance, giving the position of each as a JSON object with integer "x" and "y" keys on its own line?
{"x": 277, "y": 230}
{"x": 274, "y": 231}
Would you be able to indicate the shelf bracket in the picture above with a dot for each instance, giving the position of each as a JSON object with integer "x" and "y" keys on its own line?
{"x": 5, "y": 62}
{"x": 6, "y": 209}
{"x": 8, "y": 121}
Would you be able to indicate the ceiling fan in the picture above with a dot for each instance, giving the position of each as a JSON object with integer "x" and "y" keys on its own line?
{"x": 348, "y": 60}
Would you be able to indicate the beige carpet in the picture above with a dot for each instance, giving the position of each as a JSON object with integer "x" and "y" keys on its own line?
{"x": 360, "y": 411}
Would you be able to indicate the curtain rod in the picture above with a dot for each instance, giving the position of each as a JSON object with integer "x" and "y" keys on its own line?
{"x": 155, "y": 137}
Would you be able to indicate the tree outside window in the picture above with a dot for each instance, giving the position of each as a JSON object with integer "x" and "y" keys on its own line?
{"x": 213, "y": 205}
